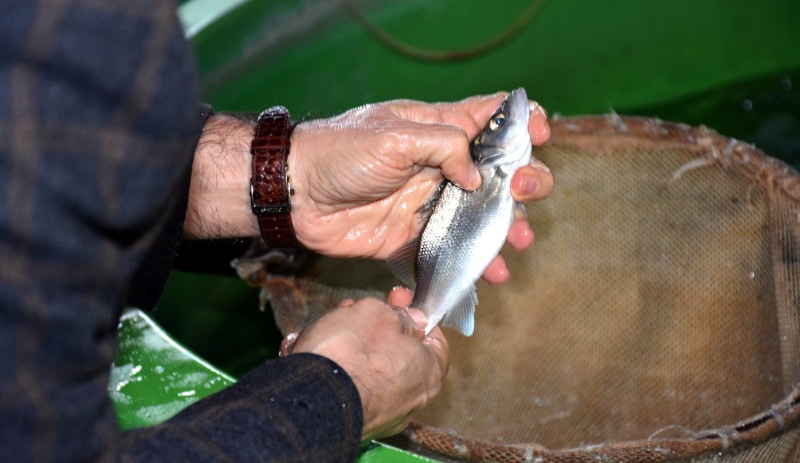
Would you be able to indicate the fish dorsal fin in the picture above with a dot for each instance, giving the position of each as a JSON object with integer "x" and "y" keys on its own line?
{"x": 462, "y": 316}
{"x": 402, "y": 263}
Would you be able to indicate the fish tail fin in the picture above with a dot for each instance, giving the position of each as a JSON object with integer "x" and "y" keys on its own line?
{"x": 462, "y": 316}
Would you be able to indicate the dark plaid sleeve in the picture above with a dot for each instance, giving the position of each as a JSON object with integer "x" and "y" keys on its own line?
{"x": 98, "y": 122}
{"x": 305, "y": 419}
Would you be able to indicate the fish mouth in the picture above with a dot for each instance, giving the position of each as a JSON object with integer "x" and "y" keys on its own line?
{"x": 517, "y": 107}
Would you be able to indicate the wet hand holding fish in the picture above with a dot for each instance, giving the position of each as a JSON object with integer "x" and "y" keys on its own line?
{"x": 466, "y": 230}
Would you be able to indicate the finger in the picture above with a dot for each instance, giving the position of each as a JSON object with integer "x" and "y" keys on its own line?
{"x": 437, "y": 343}
{"x": 470, "y": 114}
{"x": 496, "y": 272}
{"x": 407, "y": 324}
{"x": 400, "y": 296}
{"x": 520, "y": 235}
{"x": 420, "y": 318}
{"x": 532, "y": 182}
{"x": 538, "y": 127}
{"x": 445, "y": 147}
{"x": 478, "y": 110}
{"x": 287, "y": 344}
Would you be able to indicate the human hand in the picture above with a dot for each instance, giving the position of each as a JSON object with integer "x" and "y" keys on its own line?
{"x": 395, "y": 367}
{"x": 360, "y": 177}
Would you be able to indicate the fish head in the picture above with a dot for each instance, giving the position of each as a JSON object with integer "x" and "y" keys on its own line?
{"x": 505, "y": 141}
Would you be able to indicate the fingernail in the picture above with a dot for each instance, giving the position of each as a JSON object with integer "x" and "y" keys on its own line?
{"x": 531, "y": 186}
{"x": 474, "y": 181}
{"x": 525, "y": 185}
{"x": 536, "y": 108}
{"x": 475, "y": 177}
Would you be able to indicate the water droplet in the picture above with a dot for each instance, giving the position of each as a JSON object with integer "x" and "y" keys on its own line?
{"x": 747, "y": 104}
{"x": 335, "y": 371}
{"x": 751, "y": 275}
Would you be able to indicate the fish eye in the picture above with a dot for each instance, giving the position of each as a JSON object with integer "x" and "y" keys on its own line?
{"x": 497, "y": 121}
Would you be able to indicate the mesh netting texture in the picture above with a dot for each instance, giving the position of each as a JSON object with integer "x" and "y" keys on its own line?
{"x": 656, "y": 317}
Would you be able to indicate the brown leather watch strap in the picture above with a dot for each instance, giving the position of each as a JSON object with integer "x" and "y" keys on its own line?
{"x": 269, "y": 186}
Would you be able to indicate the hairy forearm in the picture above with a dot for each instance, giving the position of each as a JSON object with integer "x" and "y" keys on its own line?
{"x": 219, "y": 194}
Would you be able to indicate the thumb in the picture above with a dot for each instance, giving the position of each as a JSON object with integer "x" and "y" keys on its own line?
{"x": 447, "y": 148}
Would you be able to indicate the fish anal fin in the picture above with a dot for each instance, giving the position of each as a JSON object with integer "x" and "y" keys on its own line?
{"x": 462, "y": 316}
{"x": 402, "y": 263}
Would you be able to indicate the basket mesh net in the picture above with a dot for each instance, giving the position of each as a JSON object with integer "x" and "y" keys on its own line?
{"x": 655, "y": 319}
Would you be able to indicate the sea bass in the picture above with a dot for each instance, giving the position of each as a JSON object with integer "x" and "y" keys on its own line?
{"x": 466, "y": 230}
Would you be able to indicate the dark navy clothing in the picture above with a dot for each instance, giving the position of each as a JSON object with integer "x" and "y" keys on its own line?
{"x": 98, "y": 123}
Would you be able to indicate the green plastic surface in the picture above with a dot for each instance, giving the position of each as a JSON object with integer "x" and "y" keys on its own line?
{"x": 154, "y": 377}
{"x": 379, "y": 452}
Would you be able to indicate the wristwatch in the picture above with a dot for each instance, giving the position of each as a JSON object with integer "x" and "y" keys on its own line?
{"x": 270, "y": 187}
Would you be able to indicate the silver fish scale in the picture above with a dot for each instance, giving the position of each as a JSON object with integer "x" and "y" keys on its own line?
{"x": 458, "y": 242}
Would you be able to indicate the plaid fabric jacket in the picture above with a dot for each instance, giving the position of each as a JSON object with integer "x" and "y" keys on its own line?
{"x": 98, "y": 122}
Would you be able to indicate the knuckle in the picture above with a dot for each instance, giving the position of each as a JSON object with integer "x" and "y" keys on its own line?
{"x": 398, "y": 141}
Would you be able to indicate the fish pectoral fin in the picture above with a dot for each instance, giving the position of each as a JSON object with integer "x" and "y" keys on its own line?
{"x": 426, "y": 209}
{"x": 401, "y": 263}
{"x": 462, "y": 317}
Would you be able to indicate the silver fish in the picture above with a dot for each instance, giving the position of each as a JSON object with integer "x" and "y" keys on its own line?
{"x": 466, "y": 230}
